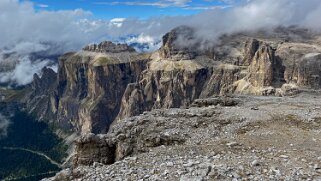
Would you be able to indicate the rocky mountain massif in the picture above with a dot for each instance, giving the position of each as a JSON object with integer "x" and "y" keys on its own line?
{"x": 108, "y": 82}
{"x": 101, "y": 88}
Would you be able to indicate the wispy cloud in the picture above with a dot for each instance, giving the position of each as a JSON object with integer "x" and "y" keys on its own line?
{"x": 184, "y": 4}
{"x": 207, "y": 7}
{"x": 161, "y": 3}
{"x": 43, "y": 5}
{"x": 4, "y": 124}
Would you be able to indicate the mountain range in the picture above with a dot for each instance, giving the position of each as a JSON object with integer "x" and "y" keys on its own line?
{"x": 193, "y": 109}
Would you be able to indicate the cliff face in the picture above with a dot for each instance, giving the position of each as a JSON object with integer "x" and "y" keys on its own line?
{"x": 91, "y": 91}
{"x": 108, "y": 82}
{"x": 163, "y": 89}
{"x": 87, "y": 89}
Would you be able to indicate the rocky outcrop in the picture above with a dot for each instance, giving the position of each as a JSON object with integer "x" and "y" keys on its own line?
{"x": 179, "y": 44}
{"x": 91, "y": 148}
{"x": 47, "y": 81}
{"x": 220, "y": 100}
{"x": 140, "y": 133}
{"x": 43, "y": 99}
{"x": 261, "y": 67}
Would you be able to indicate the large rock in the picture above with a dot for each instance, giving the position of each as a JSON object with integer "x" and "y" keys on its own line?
{"x": 92, "y": 148}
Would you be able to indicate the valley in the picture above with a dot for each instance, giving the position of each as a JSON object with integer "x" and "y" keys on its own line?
{"x": 29, "y": 150}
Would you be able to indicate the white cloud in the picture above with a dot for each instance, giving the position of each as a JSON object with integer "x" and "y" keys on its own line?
{"x": 25, "y": 30}
{"x": 24, "y": 71}
{"x": 118, "y": 22}
{"x": 142, "y": 39}
{"x": 257, "y": 14}
{"x": 207, "y": 7}
{"x": 161, "y": 3}
{"x": 19, "y": 22}
{"x": 4, "y": 124}
{"x": 145, "y": 43}
{"x": 179, "y": 2}
{"x": 43, "y": 5}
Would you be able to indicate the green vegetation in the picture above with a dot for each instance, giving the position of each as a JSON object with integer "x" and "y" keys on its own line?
{"x": 24, "y": 132}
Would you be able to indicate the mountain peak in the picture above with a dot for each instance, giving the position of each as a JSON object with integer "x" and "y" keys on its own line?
{"x": 108, "y": 47}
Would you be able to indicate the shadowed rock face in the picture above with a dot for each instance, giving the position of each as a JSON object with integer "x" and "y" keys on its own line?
{"x": 109, "y": 82}
{"x": 43, "y": 100}
{"x": 163, "y": 89}
{"x": 250, "y": 49}
{"x": 90, "y": 95}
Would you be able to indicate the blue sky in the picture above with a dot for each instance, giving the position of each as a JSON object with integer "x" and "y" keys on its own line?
{"x": 108, "y": 9}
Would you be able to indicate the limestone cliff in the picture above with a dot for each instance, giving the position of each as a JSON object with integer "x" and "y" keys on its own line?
{"x": 88, "y": 89}
{"x": 108, "y": 82}
{"x": 91, "y": 89}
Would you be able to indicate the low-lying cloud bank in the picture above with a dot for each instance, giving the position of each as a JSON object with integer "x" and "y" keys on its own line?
{"x": 24, "y": 70}
{"x": 258, "y": 14}
{"x": 24, "y": 30}
{"x": 4, "y": 124}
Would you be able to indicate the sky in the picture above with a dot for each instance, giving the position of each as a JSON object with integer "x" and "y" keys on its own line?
{"x": 109, "y": 9}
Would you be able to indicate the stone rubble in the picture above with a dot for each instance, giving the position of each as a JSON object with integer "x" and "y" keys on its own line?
{"x": 218, "y": 143}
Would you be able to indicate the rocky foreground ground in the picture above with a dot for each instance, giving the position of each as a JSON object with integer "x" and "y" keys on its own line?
{"x": 222, "y": 138}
